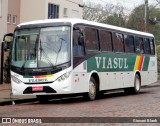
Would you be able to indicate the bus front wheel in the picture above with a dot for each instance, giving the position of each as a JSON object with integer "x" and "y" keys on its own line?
{"x": 91, "y": 94}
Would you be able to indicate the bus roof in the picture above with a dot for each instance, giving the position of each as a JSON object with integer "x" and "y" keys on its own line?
{"x": 77, "y": 21}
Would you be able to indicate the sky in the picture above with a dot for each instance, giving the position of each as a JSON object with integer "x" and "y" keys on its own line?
{"x": 128, "y": 4}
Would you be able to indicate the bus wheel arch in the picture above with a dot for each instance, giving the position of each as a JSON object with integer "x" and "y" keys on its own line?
{"x": 138, "y": 73}
{"x": 137, "y": 85}
{"x": 96, "y": 78}
{"x": 93, "y": 87}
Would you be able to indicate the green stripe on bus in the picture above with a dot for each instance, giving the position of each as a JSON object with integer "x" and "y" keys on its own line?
{"x": 146, "y": 63}
{"x": 114, "y": 63}
{"x": 111, "y": 62}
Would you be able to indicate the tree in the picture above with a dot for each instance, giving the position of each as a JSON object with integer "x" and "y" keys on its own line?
{"x": 93, "y": 12}
{"x": 116, "y": 20}
{"x": 154, "y": 23}
{"x": 158, "y": 58}
{"x": 108, "y": 14}
{"x": 136, "y": 20}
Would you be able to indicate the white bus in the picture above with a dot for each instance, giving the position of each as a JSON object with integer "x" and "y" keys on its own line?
{"x": 74, "y": 56}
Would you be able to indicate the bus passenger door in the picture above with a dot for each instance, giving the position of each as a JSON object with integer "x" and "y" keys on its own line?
{"x": 79, "y": 63}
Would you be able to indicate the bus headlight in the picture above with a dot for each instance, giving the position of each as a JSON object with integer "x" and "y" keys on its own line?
{"x": 16, "y": 80}
{"x": 64, "y": 77}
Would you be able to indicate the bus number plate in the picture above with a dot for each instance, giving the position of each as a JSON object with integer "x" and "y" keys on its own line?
{"x": 37, "y": 88}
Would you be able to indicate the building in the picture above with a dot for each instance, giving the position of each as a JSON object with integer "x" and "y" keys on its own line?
{"x": 46, "y": 9}
{"x": 13, "y": 12}
{"x": 13, "y": 17}
{"x": 28, "y": 10}
{"x": 3, "y": 18}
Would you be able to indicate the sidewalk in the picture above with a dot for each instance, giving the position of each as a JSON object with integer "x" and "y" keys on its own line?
{"x": 6, "y": 98}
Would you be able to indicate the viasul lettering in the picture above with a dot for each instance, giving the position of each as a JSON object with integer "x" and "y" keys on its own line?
{"x": 111, "y": 63}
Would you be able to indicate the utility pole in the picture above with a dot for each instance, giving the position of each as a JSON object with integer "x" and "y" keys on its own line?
{"x": 146, "y": 15}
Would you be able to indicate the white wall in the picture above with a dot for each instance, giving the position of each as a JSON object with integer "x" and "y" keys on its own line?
{"x": 32, "y": 10}
{"x": 38, "y": 9}
{"x": 0, "y": 8}
{"x": 3, "y": 19}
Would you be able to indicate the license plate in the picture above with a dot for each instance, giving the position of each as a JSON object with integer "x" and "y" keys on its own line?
{"x": 37, "y": 88}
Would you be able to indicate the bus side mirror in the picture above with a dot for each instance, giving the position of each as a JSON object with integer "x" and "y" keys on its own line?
{"x": 7, "y": 45}
{"x": 80, "y": 35}
{"x": 78, "y": 29}
{"x": 7, "y": 40}
{"x": 81, "y": 40}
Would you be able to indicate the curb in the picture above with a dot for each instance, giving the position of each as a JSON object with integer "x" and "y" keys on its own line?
{"x": 151, "y": 86}
{"x": 17, "y": 101}
{"x": 5, "y": 86}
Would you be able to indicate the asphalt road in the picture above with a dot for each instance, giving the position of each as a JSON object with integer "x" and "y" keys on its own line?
{"x": 117, "y": 104}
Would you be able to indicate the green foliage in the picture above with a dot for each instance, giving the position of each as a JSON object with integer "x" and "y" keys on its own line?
{"x": 158, "y": 57}
{"x": 115, "y": 19}
{"x": 136, "y": 19}
{"x": 154, "y": 15}
{"x": 7, "y": 76}
{"x": 154, "y": 23}
{"x": 156, "y": 31}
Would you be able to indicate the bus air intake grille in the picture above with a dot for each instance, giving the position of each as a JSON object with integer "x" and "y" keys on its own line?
{"x": 40, "y": 83}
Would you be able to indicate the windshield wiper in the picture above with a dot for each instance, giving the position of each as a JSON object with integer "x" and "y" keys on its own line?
{"x": 45, "y": 55}
{"x": 22, "y": 68}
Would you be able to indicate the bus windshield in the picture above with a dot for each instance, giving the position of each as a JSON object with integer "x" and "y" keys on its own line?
{"x": 41, "y": 47}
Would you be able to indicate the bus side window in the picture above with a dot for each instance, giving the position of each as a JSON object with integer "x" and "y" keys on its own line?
{"x": 129, "y": 43}
{"x": 139, "y": 45}
{"x": 91, "y": 39}
{"x": 78, "y": 46}
{"x": 118, "y": 42}
{"x": 105, "y": 40}
{"x": 147, "y": 46}
{"x": 152, "y": 46}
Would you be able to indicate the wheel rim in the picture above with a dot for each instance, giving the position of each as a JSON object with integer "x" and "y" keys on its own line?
{"x": 92, "y": 89}
{"x": 137, "y": 85}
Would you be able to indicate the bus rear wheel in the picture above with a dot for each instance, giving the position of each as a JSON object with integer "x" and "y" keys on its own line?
{"x": 136, "y": 88}
{"x": 137, "y": 85}
{"x": 91, "y": 94}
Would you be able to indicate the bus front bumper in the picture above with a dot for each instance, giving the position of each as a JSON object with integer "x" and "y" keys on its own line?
{"x": 56, "y": 87}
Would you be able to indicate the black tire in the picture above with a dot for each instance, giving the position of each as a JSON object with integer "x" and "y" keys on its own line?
{"x": 136, "y": 88}
{"x": 91, "y": 95}
{"x": 137, "y": 85}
